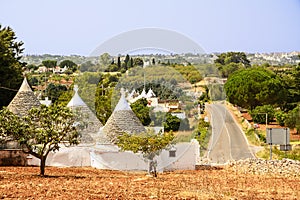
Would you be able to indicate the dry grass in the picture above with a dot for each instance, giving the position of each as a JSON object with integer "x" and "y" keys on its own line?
{"x": 89, "y": 183}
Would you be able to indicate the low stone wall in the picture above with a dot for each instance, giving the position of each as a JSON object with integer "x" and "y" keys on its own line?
{"x": 13, "y": 157}
{"x": 284, "y": 167}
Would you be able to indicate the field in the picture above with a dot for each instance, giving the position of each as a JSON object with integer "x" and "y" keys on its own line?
{"x": 89, "y": 183}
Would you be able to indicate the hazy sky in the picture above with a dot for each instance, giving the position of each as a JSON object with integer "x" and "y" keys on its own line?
{"x": 78, "y": 27}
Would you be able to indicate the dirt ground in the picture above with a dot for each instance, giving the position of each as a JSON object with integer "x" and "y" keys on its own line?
{"x": 90, "y": 183}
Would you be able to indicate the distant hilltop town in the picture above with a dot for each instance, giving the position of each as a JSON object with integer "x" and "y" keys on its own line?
{"x": 276, "y": 58}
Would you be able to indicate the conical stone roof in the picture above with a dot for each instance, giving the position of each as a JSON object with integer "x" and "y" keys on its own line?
{"x": 24, "y": 100}
{"x": 89, "y": 134}
{"x": 76, "y": 101}
{"x": 122, "y": 120}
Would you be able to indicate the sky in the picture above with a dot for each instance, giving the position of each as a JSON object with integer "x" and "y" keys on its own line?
{"x": 68, "y": 27}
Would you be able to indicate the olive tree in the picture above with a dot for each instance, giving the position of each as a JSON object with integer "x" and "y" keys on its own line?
{"x": 149, "y": 144}
{"x": 42, "y": 131}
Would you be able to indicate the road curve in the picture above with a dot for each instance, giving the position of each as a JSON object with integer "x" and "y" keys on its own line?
{"x": 228, "y": 141}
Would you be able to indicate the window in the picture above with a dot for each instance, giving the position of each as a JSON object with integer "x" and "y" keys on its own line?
{"x": 172, "y": 153}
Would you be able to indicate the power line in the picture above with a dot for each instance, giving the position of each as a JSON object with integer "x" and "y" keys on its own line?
{"x": 8, "y": 88}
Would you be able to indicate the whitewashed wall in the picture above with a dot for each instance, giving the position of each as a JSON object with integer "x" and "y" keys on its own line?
{"x": 109, "y": 157}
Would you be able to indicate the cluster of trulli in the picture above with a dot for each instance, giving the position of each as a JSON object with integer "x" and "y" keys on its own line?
{"x": 133, "y": 96}
{"x": 122, "y": 119}
{"x": 102, "y": 153}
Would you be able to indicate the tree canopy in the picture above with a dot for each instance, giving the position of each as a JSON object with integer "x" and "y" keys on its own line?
{"x": 260, "y": 113}
{"x": 53, "y": 91}
{"x": 104, "y": 95}
{"x": 49, "y": 63}
{"x": 142, "y": 111}
{"x": 230, "y": 62}
{"x": 293, "y": 119}
{"x": 10, "y": 65}
{"x": 232, "y": 57}
{"x": 149, "y": 144}
{"x": 172, "y": 123}
{"x": 69, "y": 64}
{"x": 253, "y": 87}
{"x": 42, "y": 131}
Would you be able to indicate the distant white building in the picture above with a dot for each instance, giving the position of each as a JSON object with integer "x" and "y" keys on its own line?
{"x": 42, "y": 69}
{"x": 59, "y": 70}
{"x": 46, "y": 102}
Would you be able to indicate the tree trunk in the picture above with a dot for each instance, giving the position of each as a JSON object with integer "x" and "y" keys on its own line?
{"x": 42, "y": 166}
{"x": 152, "y": 167}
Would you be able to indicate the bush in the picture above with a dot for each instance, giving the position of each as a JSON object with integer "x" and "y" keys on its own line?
{"x": 259, "y": 114}
{"x": 280, "y": 117}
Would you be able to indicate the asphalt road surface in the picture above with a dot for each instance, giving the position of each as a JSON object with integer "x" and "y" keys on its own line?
{"x": 227, "y": 141}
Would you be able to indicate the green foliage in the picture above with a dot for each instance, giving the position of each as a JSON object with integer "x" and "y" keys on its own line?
{"x": 141, "y": 110}
{"x": 127, "y": 59}
{"x": 87, "y": 66}
{"x": 149, "y": 144}
{"x": 255, "y": 137}
{"x": 277, "y": 154}
{"x": 228, "y": 69}
{"x": 280, "y": 117}
{"x": 53, "y": 91}
{"x": 69, "y": 64}
{"x": 253, "y": 87}
{"x": 138, "y": 62}
{"x": 259, "y": 114}
{"x": 158, "y": 118}
{"x": 87, "y": 83}
{"x": 293, "y": 119}
{"x": 33, "y": 80}
{"x": 230, "y": 62}
{"x": 291, "y": 79}
{"x": 190, "y": 73}
{"x": 184, "y": 124}
{"x": 112, "y": 68}
{"x": 42, "y": 131}
{"x": 65, "y": 97}
{"x": 232, "y": 57}
{"x": 105, "y": 59}
{"x": 10, "y": 65}
{"x": 164, "y": 83}
{"x": 204, "y": 96}
{"x": 172, "y": 123}
{"x": 32, "y": 67}
{"x": 9, "y": 125}
{"x": 169, "y": 122}
{"x": 207, "y": 70}
{"x": 119, "y": 62}
{"x": 104, "y": 96}
{"x": 202, "y": 133}
{"x": 49, "y": 63}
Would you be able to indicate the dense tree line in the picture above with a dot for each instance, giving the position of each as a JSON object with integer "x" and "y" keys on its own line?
{"x": 265, "y": 89}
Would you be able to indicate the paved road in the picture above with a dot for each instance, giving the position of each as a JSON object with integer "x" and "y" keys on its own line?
{"x": 228, "y": 141}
